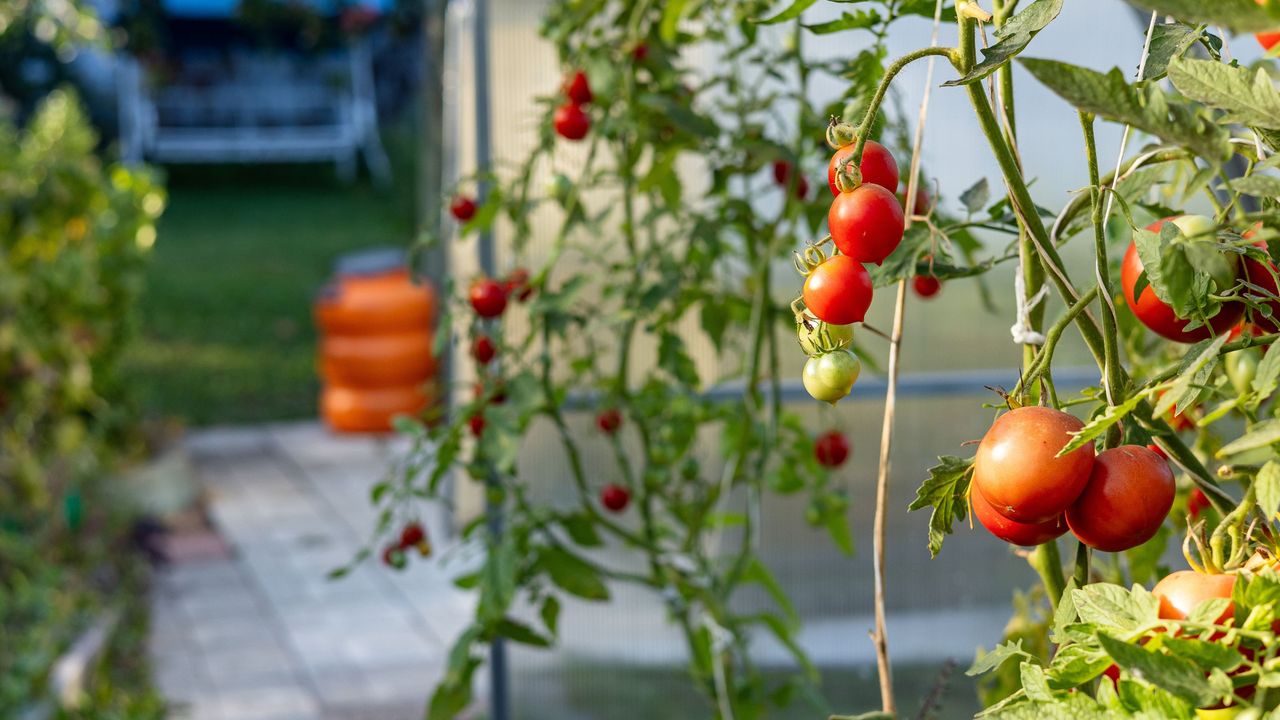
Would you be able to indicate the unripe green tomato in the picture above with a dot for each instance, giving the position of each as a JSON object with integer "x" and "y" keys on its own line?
{"x": 820, "y": 337}
{"x": 559, "y": 187}
{"x": 1241, "y": 367}
{"x": 830, "y": 376}
{"x": 1196, "y": 227}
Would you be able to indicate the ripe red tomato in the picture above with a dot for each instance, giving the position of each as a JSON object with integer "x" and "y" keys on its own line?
{"x": 462, "y": 208}
{"x": 609, "y": 421}
{"x": 1261, "y": 275}
{"x": 838, "y": 291}
{"x": 1129, "y": 495}
{"x": 926, "y": 286}
{"x": 782, "y": 176}
{"x": 517, "y": 284}
{"x": 877, "y": 167}
{"x": 570, "y": 122}
{"x": 866, "y": 224}
{"x": 577, "y": 89}
{"x": 615, "y": 497}
{"x": 1015, "y": 468}
{"x": 488, "y": 298}
{"x": 1197, "y": 502}
{"x": 483, "y": 349}
{"x": 1268, "y": 40}
{"x": 1160, "y": 318}
{"x": 1180, "y": 592}
{"x": 412, "y": 534}
{"x": 476, "y": 423}
{"x": 640, "y": 52}
{"x": 831, "y": 449}
{"x": 1012, "y": 531}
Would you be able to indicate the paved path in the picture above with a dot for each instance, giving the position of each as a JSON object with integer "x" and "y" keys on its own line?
{"x": 263, "y": 635}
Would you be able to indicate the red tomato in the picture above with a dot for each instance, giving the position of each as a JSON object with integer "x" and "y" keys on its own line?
{"x": 1160, "y": 318}
{"x": 577, "y": 89}
{"x": 483, "y": 349}
{"x": 411, "y": 535}
{"x": 570, "y": 122}
{"x": 1260, "y": 275}
{"x": 609, "y": 421}
{"x": 838, "y": 291}
{"x": 1158, "y": 450}
{"x": 1268, "y": 40}
{"x": 488, "y": 298}
{"x": 926, "y": 286}
{"x": 615, "y": 497}
{"x": 831, "y": 449}
{"x": 1012, "y": 531}
{"x": 781, "y": 171}
{"x": 1015, "y": 468}
{"x": 866, "y": 224}
{"x": 640, "y": 52}
{"x": 462, "y": 208}
{"x": 1197, "y": 502}
{"x": 1129, "y": 495}
{"x": 1180, "y": 592}
{"x": 476, "y": 422}
{"x": 877, "y": 167}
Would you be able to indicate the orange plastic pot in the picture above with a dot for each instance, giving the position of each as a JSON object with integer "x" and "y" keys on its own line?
{"x": 377, "y": 360}
{"x": 352, "y": 409}
{"x": 373, "y": 304}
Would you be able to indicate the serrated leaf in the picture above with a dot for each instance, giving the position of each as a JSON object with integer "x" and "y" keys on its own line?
{"x": 1267, "y": 488}
{"x": 1204, "y": 654}
{"x": 1112, "y": 606}
{"x": 988, "y": 661}
{"x": 1196, "y": 365}
{"x": 1175, "y": 675}
{"x": 976, "y": 196}
{"x": 945, "y": 491}
{"x": 1237, "y": 15}
{"x": 1267, "y": 380}
{"x": 1076, "y": 664}
{"x": 1247, "y": 96}
{"x": 1260, "y": 435}
{"x": 1099, "y": 425}
{"x": 1168, "y": 41}
{"x": 861, "y": 20}
{"x": 1011, "y": 39}
{"x": 1262, "y": 186}
{"x": 1034, "y": 683}
{"x": 1066, "y": 612}
{"x": 793, "y": 11}
{"x": 1147, "y": 108}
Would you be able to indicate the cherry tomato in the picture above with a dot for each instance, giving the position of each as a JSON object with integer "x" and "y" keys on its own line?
{"x": 517, "y": 284}
{"x": 877, "y": 167}
{"x": 1197, "y": 502}
{"x": 577, "y": 89}
{"x": 1012, "y": 531}
{"x": 412, "y": 534}
{"x": 1129, "y": 495}
{"x": 462, "y": 208}
{"x": 570, "y": 122}
{"x": 1016, "y": 468}
{"x": 1180, "y": 592}
{"x": 1241, "y": 367}
{"x": 782, "y": 176}
{"x": 1267, "y": 40}
{"x": 488, "y": 298}
{"x": 615, "y": 497}
{"x": 483, "y": 349}
{"x": 831, "y": 449}
{"x": 609, "y": 421}
{"x": 866, "y": 224}
{"x": 1262, "y": 275}
{"x": 830, "y": 377}
{"x": 393, "y": 556}
{"x": 1159, "y": 451}
{"x": 1159, "y": 317}
{"x": 926, "y": 286}
{"x": 476, "y": 423}
{"x": 640, "y": 52}
{"x": 838, "y": 291}
{"x": 817, "y": 337}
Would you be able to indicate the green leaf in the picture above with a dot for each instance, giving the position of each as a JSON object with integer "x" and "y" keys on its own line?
{"x": 673, "y": 358}
{"x": 1267, "y": 487}
{"x": 1260, "y": 435}
{"x": 1066, "y": 612}
{"x": 837, "y": 524}
{"x": 1196, "y": 364}
{"x": 757, "y": 572}
{"x": 551, "y": 614}
{"x": 1076, "y": 664}
{"x": 1099, "y": 425}
{"x": 988, "y": 661}
{"x": 573, "y": 574}
{"x": 945, "y": 490}
{"x": 1267, "y": 380}
{"x": 976, "y": 196}
{"x": 1237, "y": 15}
{"x": 793, "y": 11}
{"x": 1204, "y": 654}
{"x": 1262, "y": 186}
{"x": 1148, "y": 109}
{"x": 861, "y": 20}
{"x": 1247, "y": 96}
{"x": 1209, "y": 611}
{"x": 1179, "y": 677}
{"x": 498, "y": 580}
{"x": 1034, "y": 683}
{"x": 582, "y": 530}
{"x": 517, "y": 631}
{"x": 672, "y": 12}
{"x": 1112, "y": 606}
{"x": 1012, "y": 38}
{"x": 1168, "y": 41}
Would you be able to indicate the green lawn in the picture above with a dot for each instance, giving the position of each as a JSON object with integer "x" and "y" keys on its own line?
{"x": 227, "y": 335}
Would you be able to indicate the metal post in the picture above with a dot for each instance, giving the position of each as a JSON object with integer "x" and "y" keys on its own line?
{"x": 498, "y": 677}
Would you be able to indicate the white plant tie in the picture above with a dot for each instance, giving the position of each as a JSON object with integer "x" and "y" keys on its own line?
{"x": 1022, "y": 331}
{"x": 720, "y": 639}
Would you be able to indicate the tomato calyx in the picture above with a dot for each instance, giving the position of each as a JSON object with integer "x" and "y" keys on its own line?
{"x": 848, "y": 175}
{"x": 817, "y": 337}
{"x": 840, "y": 134}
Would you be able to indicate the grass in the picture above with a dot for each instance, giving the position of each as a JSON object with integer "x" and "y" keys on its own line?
{"x": 227, "y": 335}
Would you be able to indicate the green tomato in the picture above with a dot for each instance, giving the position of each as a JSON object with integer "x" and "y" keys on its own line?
{"x": 830, "y": 376}
{"x": 1241, "y": 367}
{"x": 818, "y": 337}
{"x": 1196, "y": 227}
{"x": 559, "y": 187}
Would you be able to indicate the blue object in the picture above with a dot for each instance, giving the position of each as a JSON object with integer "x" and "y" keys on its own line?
{"x": 220, "y": 9}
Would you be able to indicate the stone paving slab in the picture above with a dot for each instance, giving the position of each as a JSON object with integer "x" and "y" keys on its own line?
{"x": 264, "y": 635}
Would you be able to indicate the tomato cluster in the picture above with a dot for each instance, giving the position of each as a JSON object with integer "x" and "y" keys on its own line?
{"x": 570, "y": 121}
{"x": 1027, "y": 492}
{"x": 414, "y": 536}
